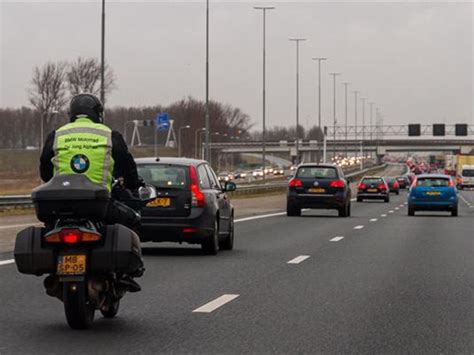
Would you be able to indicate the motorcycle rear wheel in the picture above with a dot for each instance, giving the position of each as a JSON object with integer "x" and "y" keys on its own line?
{"x": 77, "y": 307}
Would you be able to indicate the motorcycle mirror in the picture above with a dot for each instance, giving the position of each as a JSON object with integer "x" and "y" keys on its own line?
{"x": 147, "y": 192}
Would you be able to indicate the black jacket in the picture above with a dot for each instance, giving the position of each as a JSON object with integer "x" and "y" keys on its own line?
{"x": 125, "y": 166}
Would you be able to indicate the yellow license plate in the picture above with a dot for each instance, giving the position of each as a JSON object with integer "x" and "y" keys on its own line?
{"x": 372, "y": 190}
{"x": 159, "y": 202}
{"x": 71, "y": 265}
{"x": 433, "y": 193}
{"x": 316, "y": 190}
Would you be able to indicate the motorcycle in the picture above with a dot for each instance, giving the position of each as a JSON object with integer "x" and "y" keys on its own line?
{"x": 90, "y": 265}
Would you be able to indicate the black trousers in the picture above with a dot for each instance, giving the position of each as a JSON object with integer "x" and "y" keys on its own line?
{"x": 119, "y": 212}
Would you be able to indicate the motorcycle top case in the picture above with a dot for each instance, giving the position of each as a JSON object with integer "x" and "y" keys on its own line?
{"x": 30, "y": 257}
{"x": 70, "y": 196}
{"x": 120, "y": 253}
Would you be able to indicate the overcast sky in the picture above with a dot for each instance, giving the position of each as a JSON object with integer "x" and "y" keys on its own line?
{"x": 413, "y": 59}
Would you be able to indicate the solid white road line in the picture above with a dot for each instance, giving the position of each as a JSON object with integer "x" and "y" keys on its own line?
{"x": 259, "y": 217}
{"x": 383, "y": 215}
{"x": 373, "y": 219}
{"x": 359, "y": 227}
{"x": 217, "y": 303}
{"x": 6, "y": 262}
{"x": 298, "y": 259}
{"x": 336, "y": 239}
{"x": 11, "y": 226}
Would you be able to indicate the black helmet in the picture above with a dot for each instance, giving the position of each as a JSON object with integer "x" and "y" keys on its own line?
{"x": 88, "y": 105}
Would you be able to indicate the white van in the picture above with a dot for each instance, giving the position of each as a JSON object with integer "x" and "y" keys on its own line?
{"x": 466, "y": 178}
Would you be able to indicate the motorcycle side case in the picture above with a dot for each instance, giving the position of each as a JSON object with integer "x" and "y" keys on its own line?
{"x": 120, "y": 253}
{"x": 30, "y": 257}
{"x": 70, "y": 196}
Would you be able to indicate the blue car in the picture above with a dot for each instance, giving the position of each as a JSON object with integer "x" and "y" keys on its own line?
{"x": 433, "y": 192}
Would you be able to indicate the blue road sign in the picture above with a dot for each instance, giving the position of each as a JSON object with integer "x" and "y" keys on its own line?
{"x": 162, "y": 122}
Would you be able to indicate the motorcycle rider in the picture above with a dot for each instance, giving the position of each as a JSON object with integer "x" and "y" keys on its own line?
{"x": 87, "y": 146}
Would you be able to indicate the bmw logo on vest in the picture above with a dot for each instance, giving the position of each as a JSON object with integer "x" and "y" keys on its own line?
{"x": 79, "y": 163}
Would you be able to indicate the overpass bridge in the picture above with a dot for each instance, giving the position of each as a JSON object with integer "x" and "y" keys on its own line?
{"x": 309, "y": 150}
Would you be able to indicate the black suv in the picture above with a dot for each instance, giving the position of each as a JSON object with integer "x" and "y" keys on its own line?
{"x": 373, "y": 188}
{"x": 191, "y": 205}
{"x": 318, "y": 186}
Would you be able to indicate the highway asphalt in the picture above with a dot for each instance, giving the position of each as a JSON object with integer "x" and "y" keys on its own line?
{"x": 377, "y": 282}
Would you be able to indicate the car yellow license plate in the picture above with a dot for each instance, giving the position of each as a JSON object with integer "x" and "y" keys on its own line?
{"x": 316, "y": 190}
{"x": 433, "y": 193}
{"x": 372, "y": 190}
{"x": 159, "y": 202}
{"x": 71, "y": 265}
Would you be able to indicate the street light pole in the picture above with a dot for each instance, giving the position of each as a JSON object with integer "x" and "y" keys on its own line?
{"x": 102, "y": 57}
{"x": 355, "y": 114}
{"x": 297, "y": 41}
{"x": 319, "y": 59}
{"x": 179, "y": 137}
{"x": 363, "y": 99}
{"x": 371, "y": 104}
{"x": 196, "y": 141}
{"x": 207, "y": 85}
{"x": 345, "y": 113}
{"x": 264, "y": 132}
{"x": 334, "y": 75}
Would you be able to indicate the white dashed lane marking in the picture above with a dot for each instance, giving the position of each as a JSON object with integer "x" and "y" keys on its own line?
{"x": 383, "y": 215}
{"x": 6, "y": 262}
{"x": 336, "y": 239}
{"x": 298, "y": 259}
{"x": 359, "y": 227}
{"x": 373, "y": 219}
{"x": 391, "y": 211}
{"x": 217, "y": 303}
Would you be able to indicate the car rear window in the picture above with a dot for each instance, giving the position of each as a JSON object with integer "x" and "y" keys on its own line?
{"x": 468, "y": 172}
{"x": 432, "y": 182}
{"x": 372, "y": 181}
{"x": 389, "y": 179}
{"x": 165, "y": 176}
{"x": 316, "y": 172}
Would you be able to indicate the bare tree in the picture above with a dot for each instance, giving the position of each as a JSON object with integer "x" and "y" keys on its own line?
{"x": 48, "y": 92}
{"x": 83, "y": 75}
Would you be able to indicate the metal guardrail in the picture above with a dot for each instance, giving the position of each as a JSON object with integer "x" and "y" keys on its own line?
{"x": 24, "y": 201}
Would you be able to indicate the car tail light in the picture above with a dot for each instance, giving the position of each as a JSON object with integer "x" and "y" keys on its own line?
{"x": 198, "y": 198}
{"x": 395, "y": 185}
{"x": 295, "y": 183}
{"x": 72, "y": 236}
{"x": 382, "y": 187}
{"x": 189, "y": 230}
{"x": 450, "y": 183}
{"x": 362, "y": 187}
{"x": 338, "y": 184}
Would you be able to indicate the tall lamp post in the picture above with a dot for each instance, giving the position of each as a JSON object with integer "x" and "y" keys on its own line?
{"x": 179, "y": 137}
{"x": 319, "y": 59}
{"x": 102, "y": 57}
{"x": 334, "y": 75}
{"x": 206, "y": 118}
{"x": 371, "y": 105}
{"x": 363, "y": 99}
{"x": 196, "y": 141}
{"x": 264, "y": 138}
{"x": 355, "y": 114}
{"x": 345, "y": 112}
{"x": 297, "y": 42}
